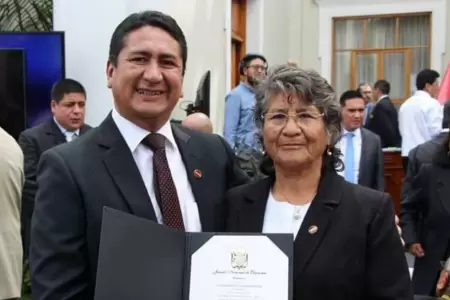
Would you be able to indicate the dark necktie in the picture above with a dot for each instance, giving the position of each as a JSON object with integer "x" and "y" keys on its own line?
{"x": 165, "y": 190}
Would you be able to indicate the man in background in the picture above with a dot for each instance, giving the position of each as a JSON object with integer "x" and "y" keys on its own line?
{"x": 366, "y": 91}
{"x": 418, "y": 156}
{"x": 198, "y": 121}
{"x": 383, "y": 120}
{"x": 11, "y": 184}
{"x": 292, "y": 62}
{"x": 361, "y": 149}
{"x": 239, "y": 127}
{"x": 420, "y": 117}
{"x": 68, "y": 109}
{"x": 423, "y": 153}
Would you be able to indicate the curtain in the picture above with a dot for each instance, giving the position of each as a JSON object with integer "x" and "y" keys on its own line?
{"x": 380, "y": 36}
{"x": 415, "y": 31}
{"x": 348, "y": 35}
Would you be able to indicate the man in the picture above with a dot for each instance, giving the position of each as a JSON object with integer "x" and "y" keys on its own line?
{"x": 135, "y": 160}
{"x": 361, "y": 149}
{"x": 420, "y": 117}
{"x": 366, "y": 90}
{"x": 239, "y": 127}
{"x": 11, "y": 183}
{"x": 418, "y": 156}
{"x": 68, "y": 99}
{"x": 423, "y": 153}
{"x": 383, "y": 120}
{"x": 198, "y": 121}
{"x": 292, "y": 62}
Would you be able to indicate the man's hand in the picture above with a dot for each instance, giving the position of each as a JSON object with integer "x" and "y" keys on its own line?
{"x": 397, "y": 221}
{"x": 416, "y": 250}
{"x": 442, "y": 283}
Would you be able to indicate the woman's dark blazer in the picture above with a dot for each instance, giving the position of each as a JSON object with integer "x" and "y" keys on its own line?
{"x": 356, "y": 252}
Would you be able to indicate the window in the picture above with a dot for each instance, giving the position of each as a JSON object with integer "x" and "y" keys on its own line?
{"x": 394, "y": 48}
{"x": 238, "y": 32}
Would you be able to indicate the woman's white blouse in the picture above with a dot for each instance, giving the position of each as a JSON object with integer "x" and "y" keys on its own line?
{"x": 283, "y": 217}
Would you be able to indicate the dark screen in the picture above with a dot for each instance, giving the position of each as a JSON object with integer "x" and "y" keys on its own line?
{"x": 12, "y": 91}
{"x": 202, "y": 101}
{"x": 44, "y": 53}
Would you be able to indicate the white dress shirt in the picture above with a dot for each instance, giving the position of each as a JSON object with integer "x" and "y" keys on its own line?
{"x": 70, "y": 135}
{"x": 143, "y": 157}
{"x": 283, "y": 217}
{"x": 382, "y": 97}
{"x": 357, "y": 143}
{"x": 420, "y": 119}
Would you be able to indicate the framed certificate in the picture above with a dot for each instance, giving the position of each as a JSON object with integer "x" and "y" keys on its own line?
{"x": 239, "y": 267}
{"x": 140, "y": 259}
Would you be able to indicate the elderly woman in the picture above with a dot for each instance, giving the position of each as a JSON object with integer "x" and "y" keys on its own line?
{"x": 346, "y": 242}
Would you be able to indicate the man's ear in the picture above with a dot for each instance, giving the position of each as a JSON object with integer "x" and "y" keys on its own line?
{"x": 109, "y": 73}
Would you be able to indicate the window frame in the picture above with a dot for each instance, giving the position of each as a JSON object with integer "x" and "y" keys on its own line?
{"x": 397, "y": 48}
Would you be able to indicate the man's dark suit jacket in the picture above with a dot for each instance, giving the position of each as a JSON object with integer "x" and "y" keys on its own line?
{"x": 356, "y": 252}
{"x": 425, "y": 215}
{"x": 371, "y": 163}
{"x": 384, "y": 122}
{"x": 419, "y": 155}
{"x": 34, "y": 142}
{"x": 78, "y": 179}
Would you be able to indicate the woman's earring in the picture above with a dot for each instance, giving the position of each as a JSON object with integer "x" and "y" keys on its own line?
{"x": 329, "y": 151}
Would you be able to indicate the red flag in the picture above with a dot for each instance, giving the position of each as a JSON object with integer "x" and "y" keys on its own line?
{"x": 444, "y": 90}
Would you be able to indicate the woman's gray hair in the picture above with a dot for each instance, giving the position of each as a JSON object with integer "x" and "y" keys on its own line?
{"x": 309, "y": 86}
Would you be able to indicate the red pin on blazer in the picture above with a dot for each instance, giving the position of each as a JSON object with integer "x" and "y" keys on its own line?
{"x": 197, "y": 173}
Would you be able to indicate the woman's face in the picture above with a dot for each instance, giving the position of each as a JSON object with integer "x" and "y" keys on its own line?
{"x": 294, "y": 133}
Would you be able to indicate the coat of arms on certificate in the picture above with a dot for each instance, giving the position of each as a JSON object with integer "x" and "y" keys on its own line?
{"x": 239, "y": 260}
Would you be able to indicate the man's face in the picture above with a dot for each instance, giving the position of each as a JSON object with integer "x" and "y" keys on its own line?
{"x": 255, "y": 71}
{"x": 377, "y": 94}
{"x": 366, "y": 91}
{"x": 147, "y": 80}
{"x": 70, "y": 111}
{"x": 353, "y": 113}
{"x": 433, "y": 89}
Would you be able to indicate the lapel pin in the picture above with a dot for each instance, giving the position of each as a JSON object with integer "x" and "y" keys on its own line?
{"x": 313, "y": 229}
{"x": 197, "y": 173}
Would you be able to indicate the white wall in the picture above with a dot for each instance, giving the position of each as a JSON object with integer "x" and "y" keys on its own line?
{"x": 446, "y": 36}
{"x": 88, "y": 27}
{"x": 283, "y": 30}
{"x": 340, "y": 8}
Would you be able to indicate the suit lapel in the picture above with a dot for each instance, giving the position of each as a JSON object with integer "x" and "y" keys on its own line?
{"x": 122, "y": 168}
{"x": 251, "y": 217}
{"x": 55, "y": 133}
{"x": 319, "y": 217}
{"x": 198, "y": 173}
{"x": 84, "y": 129}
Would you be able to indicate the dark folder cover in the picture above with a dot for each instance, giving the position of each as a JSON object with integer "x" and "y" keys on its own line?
{"x": 141, "y": 259}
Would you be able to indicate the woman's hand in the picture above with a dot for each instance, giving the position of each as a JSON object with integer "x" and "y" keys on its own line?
{"x": 416, "y": 250}
{"x": 442, "y": 283}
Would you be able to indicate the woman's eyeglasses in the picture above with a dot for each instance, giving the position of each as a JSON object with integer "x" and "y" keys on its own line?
{"x": 301, "y": 118}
